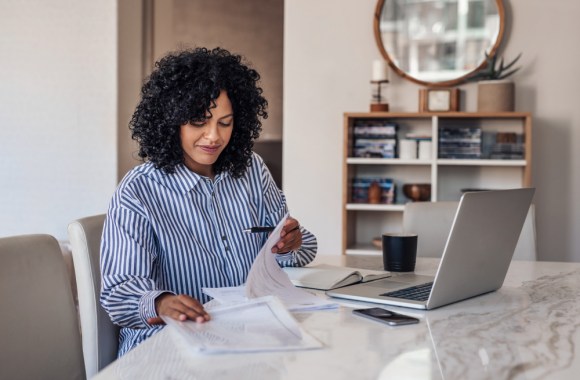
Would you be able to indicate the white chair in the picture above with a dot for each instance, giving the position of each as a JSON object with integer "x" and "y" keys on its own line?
{"x": 39, "y": 329}
{"x": 526, "y": 248}
{"x": 432, "y": 222}
{"x": 100, "y": 337}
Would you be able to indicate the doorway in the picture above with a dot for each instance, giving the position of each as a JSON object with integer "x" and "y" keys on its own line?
{"x": 251, "y": 28}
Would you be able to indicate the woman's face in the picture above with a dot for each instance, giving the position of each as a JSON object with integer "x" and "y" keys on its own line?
{"x": 202, "y": 142}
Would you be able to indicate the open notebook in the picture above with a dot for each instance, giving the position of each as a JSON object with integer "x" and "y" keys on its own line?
{"x": 327, "y": 277}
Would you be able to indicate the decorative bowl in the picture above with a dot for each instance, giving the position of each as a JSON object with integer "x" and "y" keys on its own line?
{"x": 417, "y": 192}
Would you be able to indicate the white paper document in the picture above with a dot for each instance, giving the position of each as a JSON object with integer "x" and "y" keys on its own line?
{"x": 295, "y": 301}
{"x": 254, "y": 317}
{"x": 266, "y": 278}
{"x": 260, "y": 324}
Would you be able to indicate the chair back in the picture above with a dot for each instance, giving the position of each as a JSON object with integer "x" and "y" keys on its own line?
{"x": 100, "y": 336}
{"x": 526, "y": 248}
{"x": 432, "y": 222}
{"x": 39, "y": 329}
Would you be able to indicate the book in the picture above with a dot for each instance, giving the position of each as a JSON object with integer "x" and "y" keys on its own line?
{"x": 460, "y": 143}
{"x": 361, "y": 185}
{"x": 374, "y": 139}
{"x": 327, "y": 277}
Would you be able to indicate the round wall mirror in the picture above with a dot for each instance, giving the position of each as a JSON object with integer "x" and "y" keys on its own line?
{"x": 438, "y": 42}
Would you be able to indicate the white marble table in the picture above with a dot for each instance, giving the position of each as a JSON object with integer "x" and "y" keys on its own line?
{"x": 529, "y": 329}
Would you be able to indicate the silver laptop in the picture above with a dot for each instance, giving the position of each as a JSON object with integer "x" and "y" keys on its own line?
{"x": 475, "y": 259}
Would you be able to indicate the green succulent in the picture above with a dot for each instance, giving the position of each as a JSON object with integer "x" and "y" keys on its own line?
{"x": 491, "y": 72}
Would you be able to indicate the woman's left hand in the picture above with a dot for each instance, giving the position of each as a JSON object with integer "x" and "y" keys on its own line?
{"x": 290, "y": 237}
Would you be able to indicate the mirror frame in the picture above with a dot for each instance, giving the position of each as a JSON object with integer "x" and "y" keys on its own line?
{"x": 447, "y": 83}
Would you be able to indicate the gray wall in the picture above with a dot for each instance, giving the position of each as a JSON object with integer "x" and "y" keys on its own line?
{"x": 328, "y": 50}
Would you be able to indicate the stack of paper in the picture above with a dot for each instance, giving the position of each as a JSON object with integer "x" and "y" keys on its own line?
{"x": 255, "y": 316}
{"x": 261, "y": 324}
{"x": 294, "y": 300}
{"x": 267, "y": 278}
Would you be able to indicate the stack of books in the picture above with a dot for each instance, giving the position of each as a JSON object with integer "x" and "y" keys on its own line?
{"x": 375, "y": 138}
{"x": 508, "y": 146}
{"x": 460, "y": 143}
{"x": 361, "y": 186}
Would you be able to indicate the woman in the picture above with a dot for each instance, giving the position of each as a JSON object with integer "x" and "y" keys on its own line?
{"x": 175, "y": 223}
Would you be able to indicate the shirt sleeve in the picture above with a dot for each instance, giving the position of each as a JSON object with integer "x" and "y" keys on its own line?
{"x": 276, "y": 208}
{"x": 302, "y": 256}
{"x": 128, "y": 268}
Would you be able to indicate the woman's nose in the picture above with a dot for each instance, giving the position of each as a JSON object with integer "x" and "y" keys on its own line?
{"x": 212, "y": 132}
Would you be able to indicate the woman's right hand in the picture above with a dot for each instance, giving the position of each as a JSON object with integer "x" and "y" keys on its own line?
{"x": 180, "y": 307}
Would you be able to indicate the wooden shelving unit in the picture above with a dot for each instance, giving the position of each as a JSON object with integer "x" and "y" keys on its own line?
{"x": 362, "y": 222}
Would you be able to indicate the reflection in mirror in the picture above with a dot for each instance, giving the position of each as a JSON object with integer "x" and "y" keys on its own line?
{"x": 438, "y": 42}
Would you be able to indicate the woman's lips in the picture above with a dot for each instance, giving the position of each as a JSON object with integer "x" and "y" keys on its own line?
{"x": 209, "y": 149}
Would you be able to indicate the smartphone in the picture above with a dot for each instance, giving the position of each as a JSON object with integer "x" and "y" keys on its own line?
{"x": 385, "y": 316}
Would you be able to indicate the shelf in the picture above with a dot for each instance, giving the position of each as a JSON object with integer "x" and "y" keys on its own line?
{"x": 374, "y": 207}
{"x": 441, "y": 115}
{"x": 480, "y": 162}
{"x": 363, "y": 249}
{"x": 385, "y": 161}
{"x": 440, "y": 161}
{"x": 448, "y": 176}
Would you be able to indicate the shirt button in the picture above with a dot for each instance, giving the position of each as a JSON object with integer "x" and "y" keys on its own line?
{"x": 224, "y": 237}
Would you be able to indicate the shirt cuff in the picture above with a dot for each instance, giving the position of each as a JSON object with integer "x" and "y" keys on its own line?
{"x": 286, "y": 258}
{"x": 147, "y": 304}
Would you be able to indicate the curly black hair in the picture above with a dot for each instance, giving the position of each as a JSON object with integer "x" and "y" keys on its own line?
{"x": 182, "y": 89}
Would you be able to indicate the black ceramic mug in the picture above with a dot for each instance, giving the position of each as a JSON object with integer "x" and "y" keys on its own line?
{"x": 399, "y": 252}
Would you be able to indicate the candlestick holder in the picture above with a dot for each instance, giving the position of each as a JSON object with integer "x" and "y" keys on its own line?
{"x": 378, "y": 102}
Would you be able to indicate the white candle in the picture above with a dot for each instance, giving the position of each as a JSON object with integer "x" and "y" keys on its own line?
{"x": 408, "y": 149}
{"x": 380, "y": 70}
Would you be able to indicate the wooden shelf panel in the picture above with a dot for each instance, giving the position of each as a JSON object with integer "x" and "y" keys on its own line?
{"x": 374, "y": 207}
{"x": 440, "y": 161}
{"x": 385, "y": 161}
{"x": 480, "y": 162}
{"x": 442, "y": 115}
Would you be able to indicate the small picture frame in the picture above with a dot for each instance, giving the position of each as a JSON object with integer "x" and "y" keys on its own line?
{"x": 439, "y": 100}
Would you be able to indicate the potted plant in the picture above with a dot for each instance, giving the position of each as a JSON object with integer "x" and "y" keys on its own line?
{"x": 495, "y": 92}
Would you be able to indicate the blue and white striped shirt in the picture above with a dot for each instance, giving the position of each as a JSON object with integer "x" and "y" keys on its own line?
{"x": 180, "y": 232}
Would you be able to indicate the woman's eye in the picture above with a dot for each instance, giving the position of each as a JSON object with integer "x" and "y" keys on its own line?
{"x": 225, "y": 123}
{"x": 198, "y": 123}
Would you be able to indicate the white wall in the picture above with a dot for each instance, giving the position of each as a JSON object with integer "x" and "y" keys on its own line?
{"x": 329, "y": 47}
{"x": 58, "y": 116}
{"x": 58, "y": 102}
{"x": 328, "y": 52}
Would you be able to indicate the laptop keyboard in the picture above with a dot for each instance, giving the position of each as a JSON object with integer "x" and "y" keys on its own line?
{"x": 415, "y": 293}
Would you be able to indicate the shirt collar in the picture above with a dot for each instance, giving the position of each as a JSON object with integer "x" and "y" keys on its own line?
{"x": 182, "y": 180}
